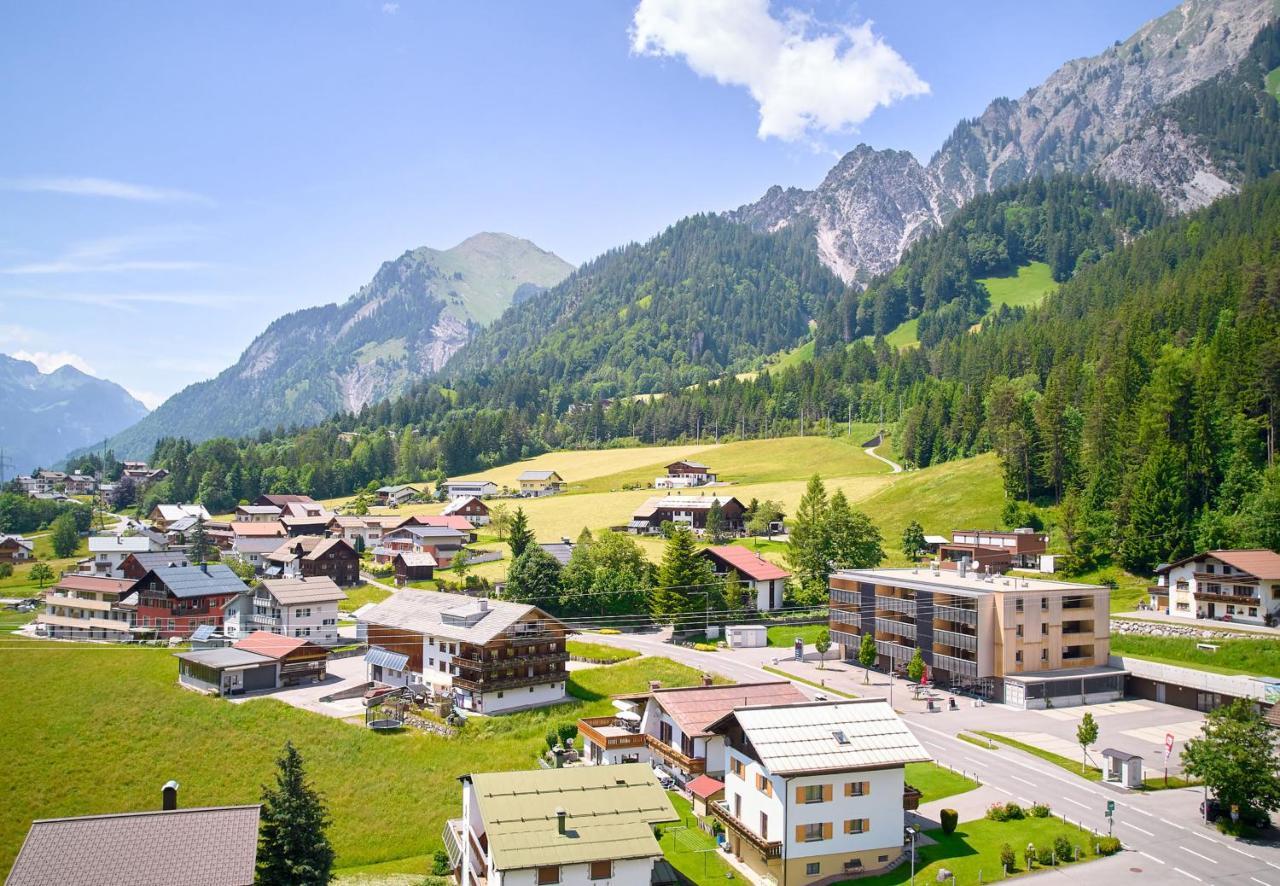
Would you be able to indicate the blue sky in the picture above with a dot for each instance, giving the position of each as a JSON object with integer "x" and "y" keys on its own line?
{"x": 173, "y": 176}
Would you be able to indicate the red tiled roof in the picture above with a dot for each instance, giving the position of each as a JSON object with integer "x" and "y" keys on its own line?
{"x": 748, "y": 563}
{"x": 261, "y": 530}
{"x": 269, "y": 644}
{"x": 696, "y": 707}
{"x": 705, "y": 786}
{"x": 1258, "y": 562}
{"x": 451, "y": 521}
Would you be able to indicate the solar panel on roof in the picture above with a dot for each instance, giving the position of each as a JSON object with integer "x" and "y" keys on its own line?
{"x": 204, "y": 632}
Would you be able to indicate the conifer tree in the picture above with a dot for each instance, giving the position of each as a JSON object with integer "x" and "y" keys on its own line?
{"x": 519, "y": 535}
{"x": 293, "y": 844}
{"x": 684, "y": 578}
{"x": 807, "y": 549}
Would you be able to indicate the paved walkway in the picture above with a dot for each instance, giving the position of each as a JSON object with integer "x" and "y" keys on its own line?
{"x": 894, "y": 467}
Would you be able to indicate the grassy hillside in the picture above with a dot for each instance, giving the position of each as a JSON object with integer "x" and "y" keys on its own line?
{"x": 389, "y": 794}
{"x": 1273, "y": 83}
{"x": 1025, "y": 289}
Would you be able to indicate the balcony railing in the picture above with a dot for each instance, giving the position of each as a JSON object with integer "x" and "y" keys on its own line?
{"x": 957, "y": 640}
{"x": 690, "y": 765}
{"x": 845, "y": 617}
{"x": 767, "y": 848}
{"x": 488, "y": 665}
{"x": 956, "y": 614}
{"x": 590, "y": 728}
{"x": 895, "y": 651}
{"x": 957, "y": 667}
{"x": 897, "y": 628}
{"x": 454, "y": 834}
{"x": 1227, "y": 597}
{"x": 847, "y": 598}
{"x": 491, "y": 683}
{"x": 896, "y": 604}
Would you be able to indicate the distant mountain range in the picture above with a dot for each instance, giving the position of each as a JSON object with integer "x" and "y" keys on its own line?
{"x": 405, "y": 323}
{"x": 1095, "y": 114}
{"x": 46, "y": 415}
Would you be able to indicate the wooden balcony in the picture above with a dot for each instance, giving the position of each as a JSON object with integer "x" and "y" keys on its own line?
{"x": 672, "y": 757}
{"x": 768, "y": 849}
{"x": 911, "y": 798}
{"x": 605, "y": 732}
{"x": 1235, "y": 599}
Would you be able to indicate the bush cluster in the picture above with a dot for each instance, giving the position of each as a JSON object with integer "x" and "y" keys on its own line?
{"x": 1039, "y": 810}
{"x": 1108, "y": 845}
{"x": 1005, "y": 812}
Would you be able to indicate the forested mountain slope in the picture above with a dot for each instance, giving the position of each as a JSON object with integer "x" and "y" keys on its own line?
{"x": 405, "y": 323}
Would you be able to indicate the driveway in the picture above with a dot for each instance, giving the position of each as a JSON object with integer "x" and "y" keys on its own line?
{"x": 344, "y": 673}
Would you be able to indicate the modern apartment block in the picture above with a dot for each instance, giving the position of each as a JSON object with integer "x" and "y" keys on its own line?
{"x": 1027, "y": 642}
{"x": 1240, "y": 585}
{"x": 815, "y": 792}
{"x": 1001, "y": 550}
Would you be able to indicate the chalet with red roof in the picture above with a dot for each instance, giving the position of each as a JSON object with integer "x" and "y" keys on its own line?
{"x": 763, "y": 581}
{"x": 1235, "y": 585}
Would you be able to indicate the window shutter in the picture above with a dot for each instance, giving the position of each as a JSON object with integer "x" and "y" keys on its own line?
{"x": 848, "y": 789}
{"x": 848, "y": 826}
{"x": 866, "y": 788}
{"x": 826, "y": 830}
{"x": 828, "y": 791}
{"x": 799, "y": 794}
{"x": 799, "y": 833}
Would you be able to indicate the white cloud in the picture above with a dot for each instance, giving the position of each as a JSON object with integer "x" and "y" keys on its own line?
{"x": 133, "y": 302}
{"x": 48, "y": 361}
{"x": 807, "y": 77}
{"x": 14, "y": 334}
{"x": 117, "y": 253}
{"x": 390, "y": 8}
{"x": 86, "y": 186}
{"x": 149, "y": 399}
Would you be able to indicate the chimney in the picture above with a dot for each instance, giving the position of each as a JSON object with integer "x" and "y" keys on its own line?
{"x": 484, "y": 604}
{"x": 655, "y": 685}
{"x": 561, "y": 815}
{"x": 706, "y": 679}
{"x": 962, "y": 569}
{"x": 169, "y": 796}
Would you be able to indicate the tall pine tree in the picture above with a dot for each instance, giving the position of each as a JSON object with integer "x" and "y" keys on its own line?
{"x": 293, "y": 844}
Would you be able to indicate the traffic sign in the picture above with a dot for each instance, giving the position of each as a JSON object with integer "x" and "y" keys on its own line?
{"x": 1111, "y": 808}
{"x": 1168, "y": 742}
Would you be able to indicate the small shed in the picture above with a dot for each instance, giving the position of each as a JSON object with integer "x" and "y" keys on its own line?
{"x": 414, "y": 567}
{"x": 1122, "y": 768}
{"x": 746, "y": 636}
{"x": 227, "y": 671}
{"x": 705, "y": 790}
{"x": 300, "y": 660}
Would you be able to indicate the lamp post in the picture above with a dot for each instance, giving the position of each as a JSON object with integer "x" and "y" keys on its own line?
{"x": 912, "y": 833}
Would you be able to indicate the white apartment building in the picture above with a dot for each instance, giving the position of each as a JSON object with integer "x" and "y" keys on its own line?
{"x": 89, "y": 607}
{"x": 291, "y": 607}
{"x": 107, "y": 552}
{"x": 1238, "y": 585}
{"x": 814, "y": 791}
{"x": 571, "y": 827}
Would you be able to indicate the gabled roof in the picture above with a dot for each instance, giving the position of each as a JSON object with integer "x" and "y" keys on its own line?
{"x": 561, "y": 550}
{"x": 169, "y": 513}
{"x": 119, "y": 544}
{"x": 695, "y": 708}
{"x": 325, "y": 545}
{"x": 747, "y": 563}
{"x": 308, "y": 510}
{"x": 216, "y": 846}
{"x": 687, "y": 464}
{"x": 456, "y": 616}
{"x": 480, "y": 482}
{"x": 272, "y": 528}
{"x": 609, "y": 811}
{"x": 314, "y": 589}
{"x": 272, "y": 645}
{"x": 185, "y": 582}
{"x": 19, "y": 541}
{"x": 705, "y": 787}
{"x": 259, "y": 510}
{"x": 391, "y": 490}
{"x": 814, "y": 737}
{"x": 413, "y": 560}
{"x": 100, "y": 584}
{"x": 443, "y": 521}
{"x": 418, "y": 530}
{"x": 280, "y": 500}
{"x": 1258, "y": 562}
{"x": 159, "y": 559}
{"x": 461, "y": 502}
{"x": 538, "y": 475}
{"x": 683, "y": 503}
{"x": 222, "y": 657}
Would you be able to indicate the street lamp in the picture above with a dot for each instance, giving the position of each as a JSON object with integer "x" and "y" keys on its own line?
{"x": 911, "y": 832}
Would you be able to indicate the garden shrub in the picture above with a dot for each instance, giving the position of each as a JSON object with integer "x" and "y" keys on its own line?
{"x": 1039, "y": 810}
{"x": 1046, "y": 856}
{"x": 1008, "y": 857}
{"x": 949, "y": 818}
{"x": 1062, "y": 848}
{"x": 1014, "y": 812}
{"x": 1108, "y": 845}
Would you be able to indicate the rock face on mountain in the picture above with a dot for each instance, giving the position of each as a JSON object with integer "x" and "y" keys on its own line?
{"x": 46, "y": 415}
{"x": 1090, "y": 113}
{"x": 405, "y": 323}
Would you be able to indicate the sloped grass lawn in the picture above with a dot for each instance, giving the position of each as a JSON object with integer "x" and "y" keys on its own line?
{"x": 1259, "y": 657}
{"x": 690, "y": 850}
{"x": 1025, "y": 289}
{"x": 935, "y": 782}
{"x": 98, "y": 729}
{"x": 599, "y": 652}
{"x": 974, "y": 849}
{"x": 360, "y": 595}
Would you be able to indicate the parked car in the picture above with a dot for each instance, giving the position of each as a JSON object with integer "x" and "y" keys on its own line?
{"x": 1253, "y": 818}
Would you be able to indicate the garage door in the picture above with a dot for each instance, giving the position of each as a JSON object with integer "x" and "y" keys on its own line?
{"x": 260, "y": 678}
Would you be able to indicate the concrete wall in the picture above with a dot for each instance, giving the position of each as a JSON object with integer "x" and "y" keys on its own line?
{"x": 523, "y": 696}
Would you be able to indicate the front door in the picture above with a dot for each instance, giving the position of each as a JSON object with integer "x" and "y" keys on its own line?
{"x": 1213, "y": 610}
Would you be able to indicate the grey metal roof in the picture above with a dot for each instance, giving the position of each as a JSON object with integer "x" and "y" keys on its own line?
{"x": 827, "y": 736}
{"x": 561, "y": 550}
{"x": 537, "y": 475}
{"x": 413, "y": 560}
{"x": 224, "y": 657}
{"x": 161, "y": 559}
{"x": 198, "y": 581}
{"x": 119, "y": 544}
{"x": 195, "y": 847}
{"x": 316, "y": 589}
{"x": 1123, "y": 756}
{"x": 433, "y": 613}
{"x": 384, "y": 658}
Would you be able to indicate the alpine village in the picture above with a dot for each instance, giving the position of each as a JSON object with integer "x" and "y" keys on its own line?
{"x": 922, "y": 526}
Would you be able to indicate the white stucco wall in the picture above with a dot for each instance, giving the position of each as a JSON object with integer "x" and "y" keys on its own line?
{"x": 626, "y": 872}
{"x": 524, "y": 696}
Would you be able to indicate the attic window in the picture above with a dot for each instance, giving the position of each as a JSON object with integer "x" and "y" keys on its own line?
{"x": 840, "y": 737}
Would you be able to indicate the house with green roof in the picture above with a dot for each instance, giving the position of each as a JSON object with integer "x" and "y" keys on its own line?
{"x": 588, "y": 825}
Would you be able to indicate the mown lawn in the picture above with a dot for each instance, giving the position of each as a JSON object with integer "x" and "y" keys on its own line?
{"x": 109, "y": 726}
{"x": 785, "y": 635}
{"x": 600, "y": 652}
{"x": 362, "y": 594}
{"x": 690, "y": 850}
{"x": 20, "y": 584}
{"x": 1025, "y": 289}
{"x": 973, "y": 851}
{"x": 1259, "y": 657}
{"x": 1089, "y": 773}
{"x": 935, "y": 782}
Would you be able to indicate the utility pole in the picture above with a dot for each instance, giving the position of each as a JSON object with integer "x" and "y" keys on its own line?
{"x": 5, "y": 462}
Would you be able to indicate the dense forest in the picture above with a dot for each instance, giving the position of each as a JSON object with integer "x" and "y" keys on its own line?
{"x": 1068, "y": 222}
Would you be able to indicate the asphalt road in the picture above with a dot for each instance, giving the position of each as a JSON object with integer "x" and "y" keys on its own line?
{"x": 1164, "y": 837}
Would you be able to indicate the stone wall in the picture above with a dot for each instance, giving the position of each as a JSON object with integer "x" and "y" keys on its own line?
{"x": 1165, "y": 629}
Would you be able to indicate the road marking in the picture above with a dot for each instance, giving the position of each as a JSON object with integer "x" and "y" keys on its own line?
{"x": 1077, "y": 802}
{"x": 1134, "y": 827}
{"x": 1173, "y": 824}
{"x": 1241, "y": 851}
{"x": 1185, "y": 874}
{"x": 1197, "y": 854}
{"x": 1024, "y": 801}
{"x": 1263, "y": 882}
{"x": 1152, "y": 857}
{"x": 1023, "y": 780}
{"x": 1206, "y": 837}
